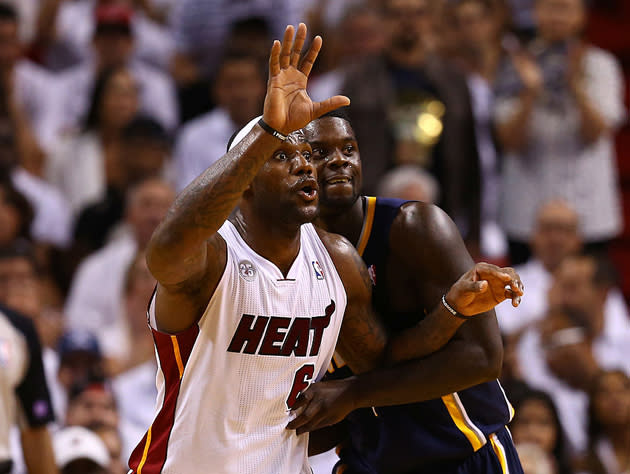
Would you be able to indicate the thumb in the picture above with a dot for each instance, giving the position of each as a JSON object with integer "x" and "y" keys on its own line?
{"x": 328, "y": 105}
{"x": 477, "y": 286}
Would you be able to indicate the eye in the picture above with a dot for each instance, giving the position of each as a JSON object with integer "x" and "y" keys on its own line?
{"x": 307, "y": 155}
{"x": 319, "y": 153}
{"x": 280, "y": 155}
{"x": 348, "y": 149}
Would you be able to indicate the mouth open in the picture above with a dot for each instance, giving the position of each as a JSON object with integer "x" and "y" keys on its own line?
{"x": 308, "y": 192}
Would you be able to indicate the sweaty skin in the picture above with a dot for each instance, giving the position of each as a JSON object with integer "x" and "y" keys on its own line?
{"x": 427, "y": 256}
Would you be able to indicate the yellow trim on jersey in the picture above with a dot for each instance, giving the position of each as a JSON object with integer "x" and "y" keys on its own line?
{"x": 367, "y": 225}
{"x": 474, "y": 436}
{"x": 499, "y": 450}
{"x": 178, "y": 356}
{"x": 145, "y": 452}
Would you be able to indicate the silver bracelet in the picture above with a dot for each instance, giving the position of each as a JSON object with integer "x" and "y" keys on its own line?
{"x": 452, "y": 310}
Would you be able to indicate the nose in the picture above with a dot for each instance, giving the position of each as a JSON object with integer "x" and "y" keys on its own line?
{"x": 302, "y": 165}
{"x": 337, "y": 160}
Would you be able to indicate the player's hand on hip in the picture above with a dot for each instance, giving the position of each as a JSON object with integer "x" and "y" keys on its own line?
{"x": 322, "y": 404}
{"x": 483, "y": 287}
{"x": 287, "y": 105}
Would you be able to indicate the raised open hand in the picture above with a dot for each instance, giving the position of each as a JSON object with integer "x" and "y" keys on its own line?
{"x": 287, "y": 105}
{"x": 483, "y": 287}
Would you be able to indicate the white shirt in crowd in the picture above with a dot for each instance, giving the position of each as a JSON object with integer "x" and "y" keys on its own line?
{"x": 77, "y": 168}
{"x": 32, "y": 88}
{"x": 53, "y": 218}
{"x": 558, "y": 164}
{"x": 74, "y": 87}
{"x": 75, "y": 26}
{"x": 201, "y": 142}
{"x": 96, "y": 294}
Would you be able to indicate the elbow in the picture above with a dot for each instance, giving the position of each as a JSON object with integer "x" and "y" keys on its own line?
{"x": 491, "y": 362}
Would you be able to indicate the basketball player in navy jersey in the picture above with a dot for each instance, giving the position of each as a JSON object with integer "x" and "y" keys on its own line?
{"x": 250, "y": 296}
{"x": 451, "y": 410}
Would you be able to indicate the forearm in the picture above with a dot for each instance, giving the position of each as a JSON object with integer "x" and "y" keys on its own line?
{"x": 203, "y": 206}
{"x": 513, "y": 133}
{"x": 38, "y": 451}
{"x": 592, "y": 123}
{"x": 429, "y": 335}
{"x": 458, "y": 366}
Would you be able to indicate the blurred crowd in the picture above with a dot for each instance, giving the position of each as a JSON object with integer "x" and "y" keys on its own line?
{"x": 502, "y": 112}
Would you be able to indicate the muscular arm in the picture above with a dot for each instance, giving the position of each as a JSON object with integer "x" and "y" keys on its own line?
{"x": 424, "y": 238}
{"x": 427, "y": 239}
{"x": 185, "y": 249}
{"x": 362, "y": 338}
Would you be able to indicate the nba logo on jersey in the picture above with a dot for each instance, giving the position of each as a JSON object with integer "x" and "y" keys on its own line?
{"x": 319, "y": 273}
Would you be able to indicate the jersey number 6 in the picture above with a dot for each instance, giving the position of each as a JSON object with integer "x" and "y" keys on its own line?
{"x": 302, "y": 379}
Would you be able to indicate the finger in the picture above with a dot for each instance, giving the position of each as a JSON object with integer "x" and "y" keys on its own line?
{"x": 300, "y": 403}
{"x": 511, "y": 295}
{"x": 300, "y": 38}
{"x": 475, "y": 286}
{"x": 311, "y": 56}
{"x": 287, "y": 44}
{"x": 307, "y": 416}
{"x": 274, "y": 59}
{"x": 321, "y": 108}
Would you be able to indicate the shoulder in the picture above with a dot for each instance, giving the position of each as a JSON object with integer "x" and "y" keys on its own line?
{"x": 421, "y": 223}
{"x": 339, "y": 248}
{"x": 150, "y": 75}
{"x": 596, "y": 59}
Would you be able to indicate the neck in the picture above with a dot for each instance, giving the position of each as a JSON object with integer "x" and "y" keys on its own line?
{"x": 348, "y": 223}
{"x": 279, "y": 245}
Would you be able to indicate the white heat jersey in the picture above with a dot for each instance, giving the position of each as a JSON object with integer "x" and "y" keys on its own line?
{"x": 226, "y": 384}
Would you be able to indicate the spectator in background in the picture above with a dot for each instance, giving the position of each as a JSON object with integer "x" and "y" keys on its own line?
{"x": 95, "y": 301}
{"x": 202, "y": 27}
{"x": 135, "y": 387}
{"x": 22, "y": 289}
{"x": 238, "y": 91}
{"x": 80, "y": 451}
{"x": 113, "y": 46}
{"x": 556, "y": 114}
{"x": 138, "y": 289}
{"x": 479, "y": 25}
{"x": 609, "y": 425}
{"x": 113, "y": 442}
{"x": 409, "y": 182}
{"x": 144, "y": 153}
{"x": 32, "y": 83}
{"x": 24, "y": 398}
{"x": 79, "y": 357}
{"x": 20, "y": 160}
{"x": 416, "y": 84}
{"x": 88, "y": 162}
{"x": 65, "y": 29}
{"x": 555, "y": 237}
{"x": 578, "y": 336}
{"x": 357, "y": 35}
{"x": 536, "y": 422}
{"x": 16, "y": 214}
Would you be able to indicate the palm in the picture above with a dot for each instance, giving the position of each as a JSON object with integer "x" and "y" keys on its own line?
{"x": 287, "y": 105}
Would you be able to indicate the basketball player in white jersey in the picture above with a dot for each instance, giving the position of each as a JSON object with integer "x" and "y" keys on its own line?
{"x": 251, "y": 296}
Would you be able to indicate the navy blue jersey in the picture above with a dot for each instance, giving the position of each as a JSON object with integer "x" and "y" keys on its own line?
{"x": 419, "y": 436}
